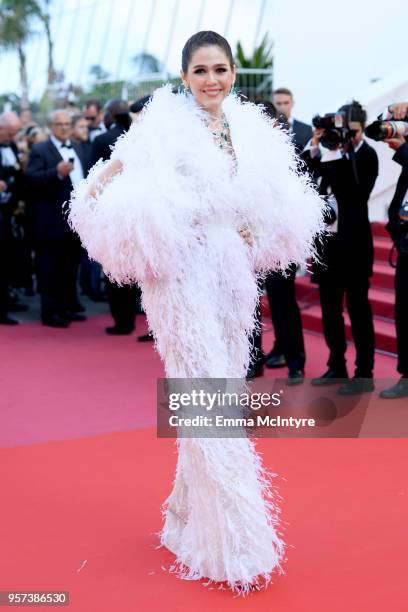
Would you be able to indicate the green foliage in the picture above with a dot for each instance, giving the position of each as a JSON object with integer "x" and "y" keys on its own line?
{"x": 98, "y": 73}
{"x": 16, "y": 20}
{"x": 146, "y": 63}
{"x": 262, "y": 56}
{"x": 16, "y": 27}
{"x": 255, "y": 86}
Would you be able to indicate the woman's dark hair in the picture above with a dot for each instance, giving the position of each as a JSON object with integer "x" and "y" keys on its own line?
{"x": 139, "y": 105}
{"x": 205, "y": 38}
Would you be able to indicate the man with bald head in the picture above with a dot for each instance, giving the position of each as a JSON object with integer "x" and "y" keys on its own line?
{"x": 10, "y": 193}
{"x": 122, "y": 300}
{"x": 54, "y": 168}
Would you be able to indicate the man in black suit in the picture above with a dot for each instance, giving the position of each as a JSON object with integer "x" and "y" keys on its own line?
{"x": 302, "y": 132}
{"x": 349, "y": 172}
{"x": 289, "y": 347}
{"x": 122, "y": 300}
{"x": 10, "y": 193}
{"x": 398, "y": 229}
{"x": 94, "y": 117}
{"x": 54, "y": 168}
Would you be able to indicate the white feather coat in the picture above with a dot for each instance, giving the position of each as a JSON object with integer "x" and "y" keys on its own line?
{"x": 175, "y": 183}
{"x": 170, "y": 221}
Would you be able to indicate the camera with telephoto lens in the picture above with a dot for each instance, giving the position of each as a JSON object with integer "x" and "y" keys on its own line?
{"x": 387, "y": 127}
{"x": 336, "y": 129}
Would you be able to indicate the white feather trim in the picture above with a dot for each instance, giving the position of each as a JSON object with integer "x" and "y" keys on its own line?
{"x": 170, "y": 221}
{"x": 175, "y": 183}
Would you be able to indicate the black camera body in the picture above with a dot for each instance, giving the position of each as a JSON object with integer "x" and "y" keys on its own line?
{"x": 336, "y": 129}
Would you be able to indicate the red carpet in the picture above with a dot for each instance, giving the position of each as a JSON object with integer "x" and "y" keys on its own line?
{"x": 94, "y": 503}
{"x": 80, "y": 505}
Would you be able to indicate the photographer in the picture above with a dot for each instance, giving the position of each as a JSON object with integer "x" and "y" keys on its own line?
{"x": 347, "y": 168}
{"x": 398, "y": 229}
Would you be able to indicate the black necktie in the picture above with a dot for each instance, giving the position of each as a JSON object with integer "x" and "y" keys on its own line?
{"x": 66, "y": 146}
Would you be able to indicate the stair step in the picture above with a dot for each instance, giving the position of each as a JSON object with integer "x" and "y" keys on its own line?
{"x": 384, "y": 330}
{"x": 383, "y": 275}
{"x": 383, "y": 278}
{"x": 379, "y": 230}
{"x": 382, "y": 300}
{"x": 382, "y": 249}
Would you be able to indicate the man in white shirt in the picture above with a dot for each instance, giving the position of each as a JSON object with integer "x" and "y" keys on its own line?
{"x": 94, "y": 116}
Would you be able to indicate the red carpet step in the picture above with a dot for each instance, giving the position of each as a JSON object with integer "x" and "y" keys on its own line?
{"x": 384, "y": 330}
{"x": 379, "y": 231}
{"x": 381, "y": 296}
{"x": 382, "y": 300}
{"x": 382, "y": 249}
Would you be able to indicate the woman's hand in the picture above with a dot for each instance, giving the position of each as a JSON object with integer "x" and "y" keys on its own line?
{"x": 246, "y": 235}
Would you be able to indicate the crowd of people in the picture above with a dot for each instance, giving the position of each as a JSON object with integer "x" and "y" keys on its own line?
{"x": 40, "y": 165}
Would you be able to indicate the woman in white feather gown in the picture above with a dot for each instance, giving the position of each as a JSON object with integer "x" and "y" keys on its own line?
{"x": 201, "y": 195}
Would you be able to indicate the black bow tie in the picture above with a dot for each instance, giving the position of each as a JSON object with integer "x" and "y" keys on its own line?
{"x": 66, "y": 146}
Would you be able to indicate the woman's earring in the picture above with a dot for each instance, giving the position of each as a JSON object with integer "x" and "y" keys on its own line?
{"x": 233, "y": 90}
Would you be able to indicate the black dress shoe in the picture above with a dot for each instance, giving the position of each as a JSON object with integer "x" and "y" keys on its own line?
{"x": 146, "y": 338}
{"x": 17, "y": 307}
{"x": 255, "y": 370}
{"x": 77, "y": 307}
{"x": 400, "y": 389}
{"x": 274, "y": 360}
{"x": 98, "y": 297}
{"x": 75, "y": 316}
{"x": 356, "y": 386}
{"x": 55, "y": 321}
{"x": 119, "y": 331}
{"x": 331, "y": 377}
{"x": 6, "y": 320}
{"x": 295, "y": 377}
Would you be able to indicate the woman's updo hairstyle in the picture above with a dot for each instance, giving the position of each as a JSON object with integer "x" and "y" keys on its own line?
{"x": 206, "y": 38}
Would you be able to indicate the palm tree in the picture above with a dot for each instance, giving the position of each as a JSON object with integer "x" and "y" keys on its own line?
{"x": 98, "y": 72}
{"x": 146, "y": 63}
{"x": 262, "y": 56}
{"x": 43, "y": 13}
{"x": 256, "y": 86}
{"x": 16, "y": 17}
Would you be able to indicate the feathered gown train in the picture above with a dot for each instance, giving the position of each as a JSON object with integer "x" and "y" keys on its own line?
{"x": 221, "y": 518}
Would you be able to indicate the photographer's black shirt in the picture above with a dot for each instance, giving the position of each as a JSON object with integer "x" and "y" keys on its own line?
{"x": 350, "y": 251}
{"x": 400, "y": 157}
